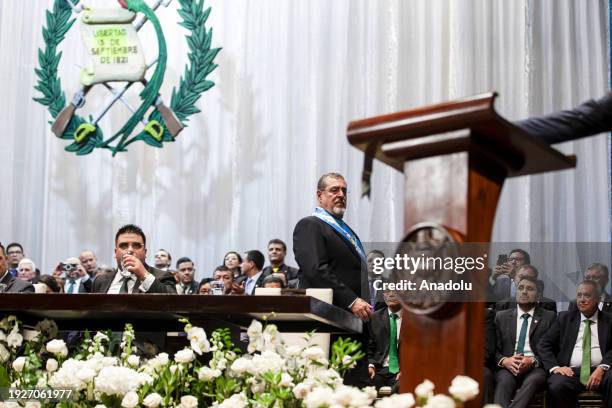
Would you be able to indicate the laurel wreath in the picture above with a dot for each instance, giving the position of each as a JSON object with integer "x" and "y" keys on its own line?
{"x": 191, "y": 86}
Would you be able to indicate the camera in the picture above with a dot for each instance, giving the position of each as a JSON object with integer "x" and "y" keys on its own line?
{"x": 502, "y": 259}
{"x": 66, "y": 267}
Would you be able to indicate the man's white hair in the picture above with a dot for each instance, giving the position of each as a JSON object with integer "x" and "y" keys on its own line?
{"x": 26, "y": 261}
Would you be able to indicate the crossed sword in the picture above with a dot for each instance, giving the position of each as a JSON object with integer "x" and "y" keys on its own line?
{"x": 63, "y": 119}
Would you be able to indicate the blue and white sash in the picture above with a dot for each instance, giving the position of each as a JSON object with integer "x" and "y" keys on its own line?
{"x": 343, "y": 229}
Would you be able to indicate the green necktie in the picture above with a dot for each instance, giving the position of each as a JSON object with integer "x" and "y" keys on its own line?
{"x": 585, "y": 367}
{"x": 393, "y": 360}
{"x": 71, "y": 286}
{"x": 124, "y": 286}
{"x": 520, "y": 347}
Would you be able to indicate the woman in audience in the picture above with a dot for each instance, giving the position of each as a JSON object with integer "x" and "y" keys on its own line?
{"x": 50, "y": 284}
{"x": 233, "y": 260}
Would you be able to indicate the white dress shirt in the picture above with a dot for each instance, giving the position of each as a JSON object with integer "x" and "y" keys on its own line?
{"x": 527, "y": 352}
{"x": 249, "y": 284}
{"x": 576, "y": 359}
{"x": 117, "y": 282}
{"x": 77, "y": 283}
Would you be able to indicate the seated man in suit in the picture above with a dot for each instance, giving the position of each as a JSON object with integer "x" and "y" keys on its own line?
{"x": 577, "y": 350}
{"x": 599, "y": 274}
{"x": 133, "y": 275}
{"x": 523, "y": 272}
{"x": 9, "y": 283}
{"x": 252, "y": 274}
{"x": 520, "y": 375}
{"x": 277, "y": 251}
{"x": 383, "y": 348}
{"x": 185, "y": 272}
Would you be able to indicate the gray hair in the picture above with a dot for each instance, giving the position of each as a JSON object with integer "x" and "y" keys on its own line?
{"x": 26, "y": 261}
{"x": 322, "y": 183}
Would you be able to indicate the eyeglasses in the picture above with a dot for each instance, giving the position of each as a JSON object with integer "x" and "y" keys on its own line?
{"x": 127, "y": 245}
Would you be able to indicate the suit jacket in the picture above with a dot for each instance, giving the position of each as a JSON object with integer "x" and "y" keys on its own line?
{"x": 588, "y": 119}
{"x": 258, "y": 282}
{"x": 607, "y": 304}
{"x": 379, "y": 331}
{"x": 556, "y": 346}
{"x": 85, "y": 287}
{"x": 505, "y": 331}
{"x": 509, "y": 303}
{"x": 14, "y": 285}
{"x": 490, "y": 338}
{"x": 290, "y": 272}
{"x": 192, "y": 288}
{"x": 164, "y": 282}
{"x": 327, "y": 260}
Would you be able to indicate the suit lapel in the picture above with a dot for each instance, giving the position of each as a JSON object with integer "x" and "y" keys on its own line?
{"x": 575, "y": 326}
{"x": 537, "y": 316}
{"x": 386, "y": 329}
{"x": 107, "y": 283}
{"x": 511, "y": 324}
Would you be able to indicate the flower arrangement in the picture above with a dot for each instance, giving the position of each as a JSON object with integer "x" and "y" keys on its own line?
{"x": 271, "y": 373}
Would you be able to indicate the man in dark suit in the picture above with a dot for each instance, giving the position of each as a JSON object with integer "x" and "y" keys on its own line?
{"x": 383, "y": 346}
{"x": 518, "y": 330}
{"x": 277, "y": 251}
{"x": 75, "y": 276}
{"x": 590, "y": 118}
{"x": 330, "y": 255}
{"x": 523, "y": 272}
{"x": 133, "y": 275}
{"x": 185, "y": 270}
{"x": 599, "y": 274}
{"x": 252, "y": 275}
{"x": 8, "y": 283}
{"x": 577, "y": 350}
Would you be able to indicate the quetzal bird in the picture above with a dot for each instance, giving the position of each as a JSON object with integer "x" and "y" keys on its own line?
{"x": 151, "y": 89}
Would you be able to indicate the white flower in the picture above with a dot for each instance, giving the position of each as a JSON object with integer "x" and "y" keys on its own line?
{"x": 235, "y": 401}
{"x": 185, "y": 355}
{"x": 86, "y": 374}
{"x": 130, "y": 400}
{"x": 119, "y": 380}
{"x": 32, "y": 404}
{"x": 51, "y": 365}
{"x": 65, "y": 377}
{"x": 286, "y": 380}
{"x": 440, "y": 401}
{"x": 109, "y": 361}
{"x": 268, "y": 361}
{"x": 100, "y": 336}
{"x": 208, "y": 374}
{"x": 313, "y": 353}
{"x": 100, "y": 406}
{"x": 19, "y": 363}
{"x": 492, "y": 406}
{"x": 133, "y": 360}
{"x": 424, "y": 389}
{"x": 345, "y": 396}
{"x": 241, "y": 365}
{"x": 188, "y": 401}
{"x": 293, "y": 351}
{"x": 271, "y": 338}
{"x": 463, "y": 388}
{"x": 2, "y": 336}
{"x": 319, "y": 397}
{"x": 302, "y": 389}
{"x": 41, "y": 383}
{"x": 255, "y": 329}
{"x": 14, "y": 339}
{"x": 152, "y": 400}
{"x": 255, "y": 333}
{"x": 396, "y": 401}
{"x": 57, "y": 347}
{"x": 199, "y": 342}
{"x": 4, "y": 354}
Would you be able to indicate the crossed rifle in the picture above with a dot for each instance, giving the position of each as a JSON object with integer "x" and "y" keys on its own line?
{"x": 153, "y": 127}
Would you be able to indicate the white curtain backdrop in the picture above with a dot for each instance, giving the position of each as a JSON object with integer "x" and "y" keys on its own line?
{"x": 291, "y": 75}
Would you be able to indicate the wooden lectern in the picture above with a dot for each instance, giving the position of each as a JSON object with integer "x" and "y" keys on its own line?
{"x": 455, "y": 157}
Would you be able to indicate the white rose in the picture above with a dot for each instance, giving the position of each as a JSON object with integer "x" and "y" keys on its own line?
{"x": 4, "y": 354}
{"x": 235, "y": 401}
{"x": 301, "y": 390}
{"x": 130, "y": 400}
{"x": 208, "y": 374}
{"x": 463, "y": 388}
{"x": 152, "y": 400}
{"x": 109, "y": 361}
{"x": 424, "y": 389}
{"x": 241, "y": 365}
{"x": 188, "y": 401}
{"x": 57, "y": 347}
{"x": 313, "y": 353}
{"x": 396, "y": 401}
{"x": 319, "y": 397}
{"x": 86, "y": 374}
{"x": 440, "y": 401}
{"x": 133, "y": 360}
{"x": 100, "y": 336}
{"x": 185, "y": 355}
{"x": 19, "y": 363}
{"x": 51, "y": 365}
